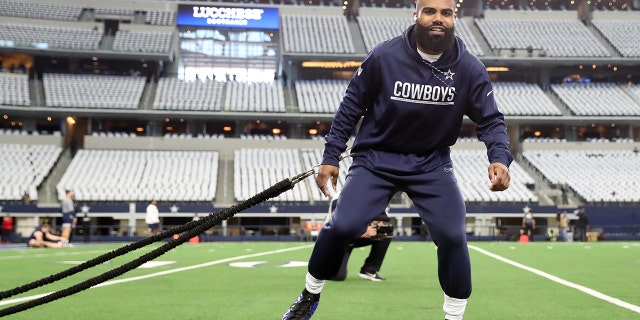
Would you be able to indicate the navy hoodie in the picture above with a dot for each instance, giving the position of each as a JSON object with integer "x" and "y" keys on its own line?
{"x": 412, "y": 107}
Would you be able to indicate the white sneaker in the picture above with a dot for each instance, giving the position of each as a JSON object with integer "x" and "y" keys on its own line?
{"x": 371, "y": 276}
{"x": 65, "y": 244}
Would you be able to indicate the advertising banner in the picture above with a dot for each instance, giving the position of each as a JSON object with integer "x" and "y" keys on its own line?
{"x": 228, "y": 17}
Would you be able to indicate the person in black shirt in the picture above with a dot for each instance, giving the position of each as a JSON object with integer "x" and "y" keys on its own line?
{"x": 379, "y": 243}
{"x": 582, "y": 226}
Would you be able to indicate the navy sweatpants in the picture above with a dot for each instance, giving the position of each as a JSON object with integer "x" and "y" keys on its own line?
{"x": 374, "y": 177}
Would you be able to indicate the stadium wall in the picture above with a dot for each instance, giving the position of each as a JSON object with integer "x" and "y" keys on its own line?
{"x": 29, "y": 139}
{"x": 193, "y": 144}
{"x": 610, "y": 222}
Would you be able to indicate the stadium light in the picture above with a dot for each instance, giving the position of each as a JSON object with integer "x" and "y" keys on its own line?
{"x": 497, "y": 69}
{"x": 331, "y": 64}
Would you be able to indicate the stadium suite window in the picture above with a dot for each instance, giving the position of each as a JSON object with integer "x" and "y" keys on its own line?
{"x": 238, "y": 55}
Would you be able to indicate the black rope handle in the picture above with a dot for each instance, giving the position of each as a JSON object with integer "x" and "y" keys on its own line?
{"x": 188, "y": 230}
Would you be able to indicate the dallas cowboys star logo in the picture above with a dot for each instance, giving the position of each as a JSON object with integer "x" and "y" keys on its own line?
{"x": 448, "y": 75}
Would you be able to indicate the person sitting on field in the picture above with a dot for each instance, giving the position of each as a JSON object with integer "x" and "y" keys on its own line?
{"x": 41, "y": 237}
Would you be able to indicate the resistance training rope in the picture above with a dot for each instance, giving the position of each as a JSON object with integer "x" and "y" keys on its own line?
{"x": 186, "y": 231}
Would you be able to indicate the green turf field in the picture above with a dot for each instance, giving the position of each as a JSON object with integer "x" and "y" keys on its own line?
{"x": 259, "y": 280}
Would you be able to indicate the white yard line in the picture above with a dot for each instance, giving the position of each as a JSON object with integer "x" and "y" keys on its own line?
{"x": 49, "y": 254}
{"x": 163, "y": 273}
{"x": 561, "y": 281}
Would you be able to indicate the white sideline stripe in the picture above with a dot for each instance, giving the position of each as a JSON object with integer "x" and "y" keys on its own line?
{"x": 576, "y": 286}
{"x": 24, "y": 299}
{"x": 162, "y": 273}
{"x": 202, "y": 265}
{"x": 56, "y": 254}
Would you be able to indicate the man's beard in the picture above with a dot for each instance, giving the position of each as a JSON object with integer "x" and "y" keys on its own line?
{"x": 434, "y": 44}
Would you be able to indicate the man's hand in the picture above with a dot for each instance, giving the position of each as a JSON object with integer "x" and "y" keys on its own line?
{"x": 371, "y": 232}
{"x": 499, "y": 176}
{"x": 325, "y": 173}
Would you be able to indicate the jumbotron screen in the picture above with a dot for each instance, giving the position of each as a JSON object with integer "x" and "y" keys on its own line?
{"x": 228, "y": 17}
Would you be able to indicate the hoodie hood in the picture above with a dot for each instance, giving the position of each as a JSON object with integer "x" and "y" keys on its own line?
{"x": 447, "y": 60}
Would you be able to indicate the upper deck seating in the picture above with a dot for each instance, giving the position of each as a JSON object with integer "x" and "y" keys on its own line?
{"x": 176, "y": 94}
{"x": 624, "y": 35}
{"x": 558, "y": 38}
{"x": 254, "y": 97}
{"x": 49, "y": 37}
{"x": 92, "y": 91}
{"x": 316, "y": 34}
{"x": 46, "y": 11}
